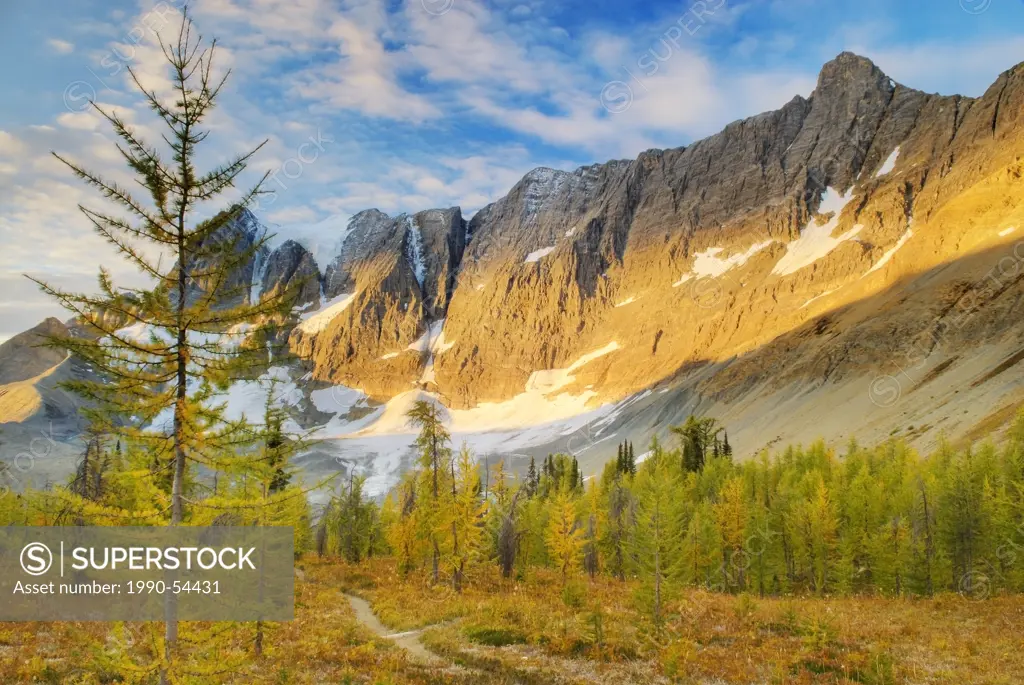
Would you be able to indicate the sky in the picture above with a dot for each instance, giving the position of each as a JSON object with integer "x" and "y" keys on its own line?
{"x": 405, "y": 105}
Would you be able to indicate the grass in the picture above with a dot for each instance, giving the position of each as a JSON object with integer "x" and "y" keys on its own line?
{"x": 535, "y": 630}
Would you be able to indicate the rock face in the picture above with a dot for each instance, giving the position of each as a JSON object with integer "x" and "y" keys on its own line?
{"x": 391, "y": 280}
{"x": 23, "y": 356}
{"x": 798, "y": 275}
{"x": 239, "y": 236}
{"x": 708, "y": 256}
{"x": 288, "y": 267}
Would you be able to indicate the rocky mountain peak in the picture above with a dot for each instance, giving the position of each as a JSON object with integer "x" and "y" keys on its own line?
{"x": 24, "y": 356}
{"x": 849, "y": 69}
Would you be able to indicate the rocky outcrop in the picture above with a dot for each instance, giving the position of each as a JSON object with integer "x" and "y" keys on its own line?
{"x": 680, "y": 257}
{"x": 391, "y": 280}
{"x": 25, "y": 356}
{"x": 290, "y": 268}
{"x": 238, "y": 246}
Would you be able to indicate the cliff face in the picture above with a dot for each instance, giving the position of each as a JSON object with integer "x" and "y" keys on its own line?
{"x": 792, "y": 275}
{"x": 681, "y": 257}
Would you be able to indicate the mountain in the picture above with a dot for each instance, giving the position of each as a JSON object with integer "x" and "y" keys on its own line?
{"x": 40, "y": 420}
{"x": 845, "y": 265}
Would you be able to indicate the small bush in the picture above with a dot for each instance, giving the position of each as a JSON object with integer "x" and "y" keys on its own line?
{"x": 494, "y": 637}
{"x": 574, "y": 594}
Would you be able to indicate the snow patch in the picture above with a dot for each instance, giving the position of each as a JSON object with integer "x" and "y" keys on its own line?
{"x": 817, "y": 297}
{"x": 323, "y": 239}
{"x": 538, "y": 255}
{"x": 629, "y": 300}
{"x": 414, "y": 251}
{"x": 138, "y": 332}
{"x": 708, "y": 264}
{"x": 248, "y": 398}
{"x": 390, "y": 355}
{"x": 892, "y": 251}
{"x": 1007, "y": 231}
{"x": 682, "y": 280}
{"x": 890, "y": 163}
{"x": 816, "y": 241}
{"x": 316, "y": 322}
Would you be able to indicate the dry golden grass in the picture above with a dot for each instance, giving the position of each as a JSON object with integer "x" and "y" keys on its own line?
{"x": 539, "y": 631}
{"x": 602, "y": 629}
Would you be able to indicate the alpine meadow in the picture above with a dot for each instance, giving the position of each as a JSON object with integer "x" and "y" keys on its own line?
{"x": 743, "y": 404}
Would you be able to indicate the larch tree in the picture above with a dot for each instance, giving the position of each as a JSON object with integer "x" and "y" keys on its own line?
{"x": 732, "y": 518}
{"x": 593, "y": 525}
{"x": 564, "y": 538}
{"x": 657, "y": 524}
{"x": 435, "y": 457}
{"x": 467, "y": 514}
{"x": 161, "y": 353}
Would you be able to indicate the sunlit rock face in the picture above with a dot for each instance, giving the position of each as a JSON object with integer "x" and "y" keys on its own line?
{"x": 845, "y": 265}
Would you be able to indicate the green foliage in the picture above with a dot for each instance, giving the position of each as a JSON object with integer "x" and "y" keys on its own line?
{"x": 872, "y": 521}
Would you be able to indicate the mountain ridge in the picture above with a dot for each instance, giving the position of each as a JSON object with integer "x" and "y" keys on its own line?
{"x": 729, "y": 276}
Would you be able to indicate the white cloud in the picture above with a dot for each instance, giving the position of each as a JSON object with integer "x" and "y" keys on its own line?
{"x": 966, "y": 69}
{"x": 61, "y": 47}
{"x": 11, "y": 146}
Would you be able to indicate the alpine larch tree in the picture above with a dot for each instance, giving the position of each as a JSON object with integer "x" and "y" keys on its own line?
{"x": 162, "y": 353}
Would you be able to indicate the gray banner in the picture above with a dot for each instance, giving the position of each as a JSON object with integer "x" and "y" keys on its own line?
{"x": 220, "y": 573}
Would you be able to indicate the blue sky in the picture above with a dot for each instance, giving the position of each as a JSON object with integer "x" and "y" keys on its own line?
{"x": 406, "y": 105}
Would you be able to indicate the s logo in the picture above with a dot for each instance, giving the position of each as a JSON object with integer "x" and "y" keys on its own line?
{"x": 36, "y": 559}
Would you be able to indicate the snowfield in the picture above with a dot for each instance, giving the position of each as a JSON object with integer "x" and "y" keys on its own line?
{"x": 708, "y": 264}
{"x": 889, "y": 164}
{"x": 815, "y": 242}
{"x": 538, "y": 255}
{"x": 376, "y": 439}
{"x": 317, "y": 321}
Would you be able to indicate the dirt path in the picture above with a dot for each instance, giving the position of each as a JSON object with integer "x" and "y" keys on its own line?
{"x": 409, "y": 641}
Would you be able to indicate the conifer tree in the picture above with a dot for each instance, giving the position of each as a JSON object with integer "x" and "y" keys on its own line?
{"x": 508, "y": 533}
{"x": 619, "y": 515}
{"x": 657, "y": 525}
{"x": 164, "y": 351}
{"x": 400, "y": 523}
{"x": 592, "y": 530}
{"x": 564, "y": 538}
{"x": 532, "y": 478}
{"x": 435, "y": 458}
{"x": 731, "y": 518}
{"x": 467, "y": 514}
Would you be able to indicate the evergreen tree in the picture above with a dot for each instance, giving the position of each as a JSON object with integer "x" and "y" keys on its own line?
{"x": 532, "y": 479}
{"x": 508, "y": 534}
{"x": 592, "y": 529}
{"x": 435, "y": 457}
{"x": 564, "y": 538}
{"x": 166, "y": 350}
{"x": 657, "y": 543}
